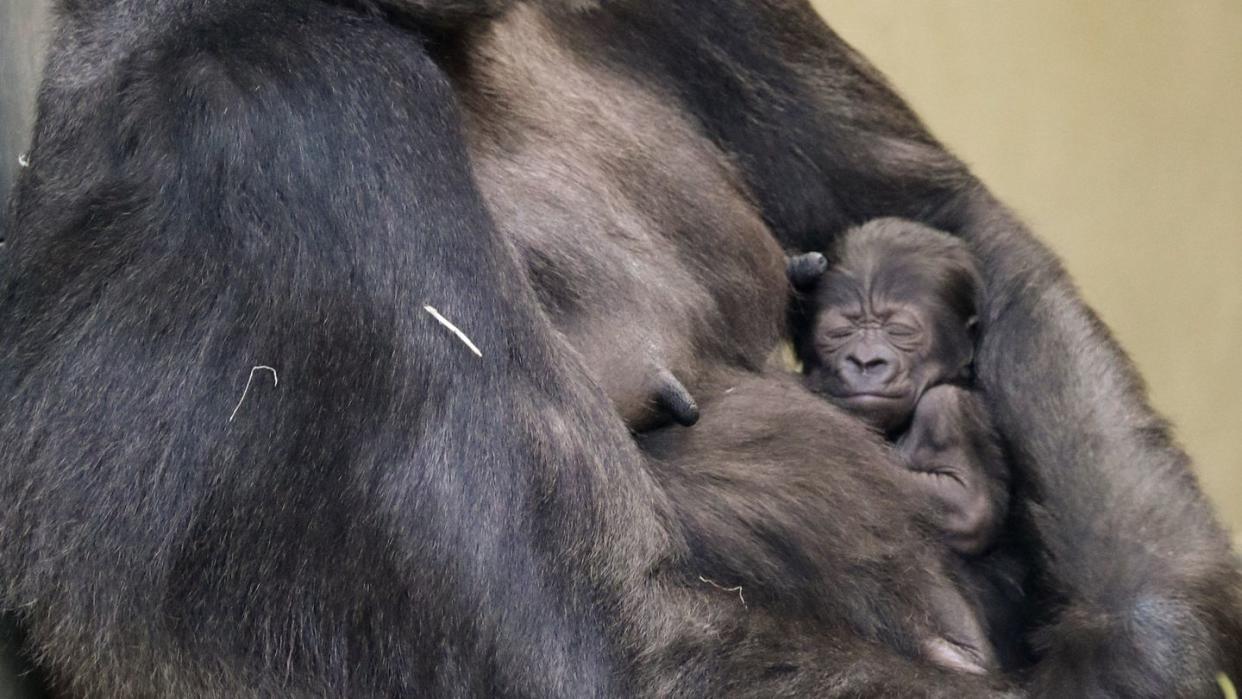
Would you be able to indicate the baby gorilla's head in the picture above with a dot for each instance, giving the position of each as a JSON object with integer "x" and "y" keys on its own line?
{"x": 893, "y": 315}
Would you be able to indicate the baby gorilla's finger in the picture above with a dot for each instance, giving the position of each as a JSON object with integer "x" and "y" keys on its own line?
{"x": 805, "y": 270}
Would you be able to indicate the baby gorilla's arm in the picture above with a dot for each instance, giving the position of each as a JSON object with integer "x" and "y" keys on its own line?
{"x": 952, "y": 455}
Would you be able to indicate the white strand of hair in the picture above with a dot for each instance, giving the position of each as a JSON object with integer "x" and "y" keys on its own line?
{"x": 455, "y": 330}
{"x": 246, "y": 390}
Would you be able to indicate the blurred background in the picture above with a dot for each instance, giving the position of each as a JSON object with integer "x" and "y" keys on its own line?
{"x": 1114, "y": 127}
{"x": 23, "y": 34}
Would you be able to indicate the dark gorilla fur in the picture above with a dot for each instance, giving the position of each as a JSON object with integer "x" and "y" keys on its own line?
{"x": 222, "y": 184}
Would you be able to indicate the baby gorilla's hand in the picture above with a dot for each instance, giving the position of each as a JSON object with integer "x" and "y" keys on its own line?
{"x": 947, "y": 449}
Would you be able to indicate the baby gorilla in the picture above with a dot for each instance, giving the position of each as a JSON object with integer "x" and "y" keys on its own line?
{"x": 888, "y": 334}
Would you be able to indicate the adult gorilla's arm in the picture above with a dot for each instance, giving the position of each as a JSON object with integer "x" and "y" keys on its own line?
{"x": 1141, "y": 580}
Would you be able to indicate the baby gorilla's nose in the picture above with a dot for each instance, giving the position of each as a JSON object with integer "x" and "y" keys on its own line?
{"x": 870, "y": 365}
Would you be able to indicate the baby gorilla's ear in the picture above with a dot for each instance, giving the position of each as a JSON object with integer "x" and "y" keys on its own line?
{"x": 805, "y": 270}
{"x": 972, "y": 332}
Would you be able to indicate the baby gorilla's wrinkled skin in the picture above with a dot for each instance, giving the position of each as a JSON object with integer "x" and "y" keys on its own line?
{"x": 887, "y": 333}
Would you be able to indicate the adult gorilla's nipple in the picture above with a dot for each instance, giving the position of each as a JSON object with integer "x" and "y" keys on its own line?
{"x": 673, "y": 396}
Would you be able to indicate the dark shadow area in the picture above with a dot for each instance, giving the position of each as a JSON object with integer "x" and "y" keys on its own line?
{"x": 18, "y": 679}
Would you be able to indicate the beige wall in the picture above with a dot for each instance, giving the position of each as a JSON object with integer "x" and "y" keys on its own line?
{"x": 1114, "y": 127}
{"x": 23, "y": 32}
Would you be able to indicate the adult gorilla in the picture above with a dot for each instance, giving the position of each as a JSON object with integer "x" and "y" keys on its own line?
{"x": 240, "y": 458}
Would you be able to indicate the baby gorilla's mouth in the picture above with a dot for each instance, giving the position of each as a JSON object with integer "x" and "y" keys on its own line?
{"x": 869, "y": 396}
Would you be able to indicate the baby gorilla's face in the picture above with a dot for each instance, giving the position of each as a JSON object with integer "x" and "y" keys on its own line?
{"x": 876, "y": 356}
{"x": 892, "y": 317}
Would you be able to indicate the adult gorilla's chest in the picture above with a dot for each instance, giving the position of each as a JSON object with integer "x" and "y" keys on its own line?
{"x": 638, "y": 239}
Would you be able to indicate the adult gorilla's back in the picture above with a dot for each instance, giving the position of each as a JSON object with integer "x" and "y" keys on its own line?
{"x": 225, "y": 185}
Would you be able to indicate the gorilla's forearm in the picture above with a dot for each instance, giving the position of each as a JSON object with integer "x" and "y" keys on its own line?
{"x": 819, "y": 136}
{"x": 1135, "y": 552}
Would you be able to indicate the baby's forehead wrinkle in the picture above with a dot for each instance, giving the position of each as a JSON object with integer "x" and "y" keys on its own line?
{"x": 844, "y": 287}
{"x": 862, "y": 292}
{"x": 885, "y": 272}
{"x": 891, "y": 284}
{"x": 875, "y": 296}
